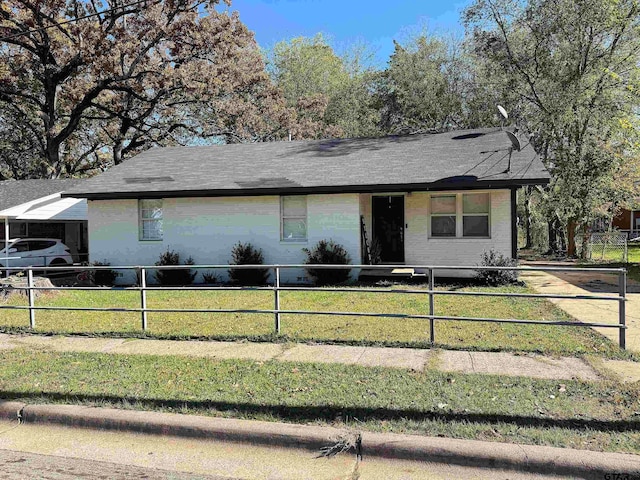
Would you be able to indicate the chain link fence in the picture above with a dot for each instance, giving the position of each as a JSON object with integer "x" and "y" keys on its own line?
{"x": 608, "y": 247}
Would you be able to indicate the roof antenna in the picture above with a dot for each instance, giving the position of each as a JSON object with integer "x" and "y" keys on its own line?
{"x": 515, "y": 142}
{"x": 515, "y": 145}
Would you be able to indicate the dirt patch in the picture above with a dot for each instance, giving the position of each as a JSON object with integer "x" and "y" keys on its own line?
{"x": 17, "y": 285}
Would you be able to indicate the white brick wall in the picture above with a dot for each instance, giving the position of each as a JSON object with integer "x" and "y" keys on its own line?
{"x": 207, "y": 229}
{"x": 422, "y": 250}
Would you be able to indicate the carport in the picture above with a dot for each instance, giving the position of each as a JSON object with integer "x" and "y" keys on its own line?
{"x": 35, "y": 209}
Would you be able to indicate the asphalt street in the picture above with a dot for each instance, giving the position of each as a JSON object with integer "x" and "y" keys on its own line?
{"x": 22, "y": 466}
{"x": 30, "y": 451}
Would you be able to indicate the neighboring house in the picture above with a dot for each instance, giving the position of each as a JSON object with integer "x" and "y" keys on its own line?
{"x": 627, "y": 219}
{"x": 439, "y": 199}
{"x": 35, "y": 209}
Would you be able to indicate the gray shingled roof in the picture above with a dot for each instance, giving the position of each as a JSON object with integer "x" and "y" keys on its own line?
{"x": 17, "y": 192}
{"x": 460, "y": 159}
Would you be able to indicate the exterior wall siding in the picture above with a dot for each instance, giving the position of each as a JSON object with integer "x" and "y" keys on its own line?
{"x": 622, "y": 221}
{"x": 208, "y": 228}
{"x": 627, "y": 220}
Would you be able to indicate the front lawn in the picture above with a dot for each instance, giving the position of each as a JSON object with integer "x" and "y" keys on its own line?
{"x": 322, "y": 328}
{"x": 566, "y": 413}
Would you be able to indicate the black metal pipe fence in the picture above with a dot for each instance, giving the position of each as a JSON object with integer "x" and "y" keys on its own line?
{"x": 277, "y": 287}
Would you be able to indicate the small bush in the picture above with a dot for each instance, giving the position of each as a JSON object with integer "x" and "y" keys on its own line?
{"x": 327, "y": 253}
{"x": 246, "y": 254}
{"x": 103, "y": 278}
{"x": 496, "y": 277}
{"x": 177, "y": 277}
{"x": 210, "y": 278}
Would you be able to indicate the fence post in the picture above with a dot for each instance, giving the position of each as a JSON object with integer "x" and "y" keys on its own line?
{"x": 142, "y": 272}
{"x": 30, "y": 296}
{"x": 625, "y": 257}
{"x": 622, "y": 308}
{"x": 432, "y": 323}
{"x": 276, "y": 293}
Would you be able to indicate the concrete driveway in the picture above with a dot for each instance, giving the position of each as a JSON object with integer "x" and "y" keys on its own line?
{"x": 593, "y": 311}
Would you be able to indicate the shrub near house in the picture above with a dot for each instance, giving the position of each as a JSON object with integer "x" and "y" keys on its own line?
{"x": 103, "y": 277}
{"x": 496, "y": 278}
{"x": 327, "y": 253}
{"x": 247, "y": 254}
{"x": 174, "y": 277}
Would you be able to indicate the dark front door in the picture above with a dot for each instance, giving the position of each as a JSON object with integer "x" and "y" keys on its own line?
{"x": 388, "y": 227}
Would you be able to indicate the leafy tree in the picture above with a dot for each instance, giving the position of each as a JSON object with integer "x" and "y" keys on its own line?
{"x": 574, "y": 68}
{"x": 432, "y": 84}
{"x": 19, "y": 148}
{"x": 330, "y": 93}
{"x": 128, "y": 77}
{"x": 416, "y": 94}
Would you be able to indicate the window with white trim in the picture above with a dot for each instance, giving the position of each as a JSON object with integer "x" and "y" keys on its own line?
{"x": 443, "y": 216}
{"x": 293, "y": 212}
{"x": 150, "y": 219}
{"x": 475, "y": 214}
{"x": 460, "y": 215}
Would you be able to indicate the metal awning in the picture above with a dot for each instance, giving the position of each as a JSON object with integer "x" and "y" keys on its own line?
{"x": 48, "y": 208}
{"x": 62, "y": 209}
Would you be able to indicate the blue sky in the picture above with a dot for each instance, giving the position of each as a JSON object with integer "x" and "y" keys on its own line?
{"x": 349, "y": 21}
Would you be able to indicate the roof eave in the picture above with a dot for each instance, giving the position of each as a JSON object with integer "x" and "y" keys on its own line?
{"x": 254, "y": 192}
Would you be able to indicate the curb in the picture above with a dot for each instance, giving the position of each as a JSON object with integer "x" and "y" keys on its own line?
{"x": 529, "y": 458}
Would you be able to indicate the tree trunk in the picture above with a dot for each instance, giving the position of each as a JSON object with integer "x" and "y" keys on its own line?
{"x": 527, "y": 217}
{"x": 52, "y": 160}
{"x": 571, "y": 238}
{"x": 562, "y": 238}
{"x": 553, "y": 241}
{"x": 585, "y": 243}
{"x": 117, "y": 151}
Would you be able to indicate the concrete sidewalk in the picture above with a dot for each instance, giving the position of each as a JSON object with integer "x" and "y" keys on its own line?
{"x": 498, "y": 363}
{"x": 599, "y": 311}
{"x": 595, "y": 311}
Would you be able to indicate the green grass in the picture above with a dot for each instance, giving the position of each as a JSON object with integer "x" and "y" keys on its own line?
{"x": 633, "y": 253}
{"x": 615, "y": 253}
{"x": 321, "y": 328}
{"x": 597, "y": 416}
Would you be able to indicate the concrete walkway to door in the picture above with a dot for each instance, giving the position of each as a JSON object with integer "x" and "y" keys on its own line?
{"x": 587, "y": 283}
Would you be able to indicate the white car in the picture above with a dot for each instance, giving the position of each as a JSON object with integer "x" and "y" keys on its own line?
{"x": 35, "y": 252}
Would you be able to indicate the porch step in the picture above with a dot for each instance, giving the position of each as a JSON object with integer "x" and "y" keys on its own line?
{"x": 392, "y": 273}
